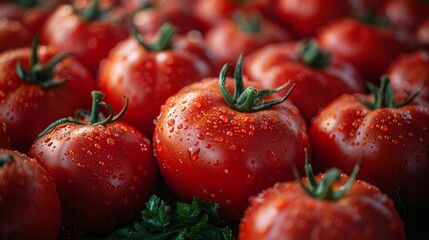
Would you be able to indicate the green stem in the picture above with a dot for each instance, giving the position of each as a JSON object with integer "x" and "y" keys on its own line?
{"x": 95, "y": 110}
{"x": 27, "y": 3}
{"x": 5, "y": 158}
{"x": 311, "y": 55}
{"x": 165, "y": 35}
{"x": 93, "y": 12}
{"x": 248, "y": 23}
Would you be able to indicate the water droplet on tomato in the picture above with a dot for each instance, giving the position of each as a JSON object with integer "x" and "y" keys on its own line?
{"x": 121, "y": 177}
{"x": 110, "y": 141}
{"x": 171, "y": 122}
{"x": 101, "y": 163}
{"x": 271, "y": 156}
{"x": 47, "y": 140}
{"x": 193, "y": 152}
{"x": 384, "y": 128}
{"x": 250, "y": 178}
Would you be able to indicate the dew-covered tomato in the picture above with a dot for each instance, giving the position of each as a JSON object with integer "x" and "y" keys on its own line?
{"x": 29, "y": 204}
{"x": 390, "y": 137}
{"x": 89, "y": 33}
{"x": 4, "y": 137}
{"x": 319, "y": 77}
{"x": 369, "y": 48}
{"x": 38, "y": 87}
{"x": 224, "y": 148}
{"x": 150, "y": 70}
{"x": 408, "y": 73}
{"x": 104, "y": 169}
{"x": 329, "y": 206}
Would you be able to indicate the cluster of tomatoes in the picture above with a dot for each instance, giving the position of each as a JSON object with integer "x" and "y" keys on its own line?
{"x": 102, "y": 102}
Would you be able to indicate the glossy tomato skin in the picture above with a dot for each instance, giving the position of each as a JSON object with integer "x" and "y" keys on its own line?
{"x": 286, "y": 211}
{"x": 148, "y": 78}
{"x": 408, "y": 72}
{"x": 305, "y": 17}
{"x": 28, "y": 108}
{"x": 239, "y": 41}
{"x": 392, "y": 143}
{"x": 104, "y": 174}
{"x": 206, "y": 149}
{"x": 368, "y": 48}
{"x": 29, "y": 204}
{"x": 277, "y": 64}
{"x": 90, "y": 41}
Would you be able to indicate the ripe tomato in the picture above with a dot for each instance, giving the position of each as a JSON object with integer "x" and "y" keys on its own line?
{"x": 391, "y": 139}
{"x": 306, "y": 16}
{"x": 207, "y": 148}
{"x": 368, "y": 48}
{"x": 45, "y": 88}
{"x": 405, "y": 14}
{"x": 4, "y": 137}
{"x": 90, "y": 35}
{"x": 408, "y": 73}
{"x": 104, "y": 170}
{"x": 319, "y": 78}
{"x": 149, "y": 73}
{"x": 249, "y": 32}
{"x": 13, "y": 34}
{"x": 328, "y": 206}
{"x": 422, "y": 34}
{"x": 29, "y": 204}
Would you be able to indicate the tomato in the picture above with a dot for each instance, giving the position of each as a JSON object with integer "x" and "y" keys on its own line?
{"x": 405, "y": 14}
{"x": 390, "y": 137}
{"x": 225, "y": 152}
{"x": 148, "y": 73}
{"x": 90, "y": 33}
{"x": 422, "y": 34}
{"x": 244, "y": 34}
{"x": 13, "y": 34}
{"x": 328, "y": 206}
{"x": 29, "y": 203}
{"x": 4, "y": 137}
{"x": 104, "y": 169}
{"x": 319, "y": 77}
{"x": 368, "y": 48}
{"x": 208, "y": 13}
{"x": 304, "y": 17}
{"x": 408, "y": 73}
{"x": 46, "y": 87}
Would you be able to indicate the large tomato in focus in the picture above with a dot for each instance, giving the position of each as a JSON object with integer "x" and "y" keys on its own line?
{"x": 369, "y": 48}
{"x": 104, "y": 169}
{"x": 150, "y": 70}
{"x": 319, "y": 77}
{"x": 329, "y": 206}
{"x": 89, "y": 33}
{"x": 408, "y": 73}
{"x": 29, "y": 204}
{"x": 390, "y": 136}
{"x": 207, "y": 148}
{"x": 46, "y": 87}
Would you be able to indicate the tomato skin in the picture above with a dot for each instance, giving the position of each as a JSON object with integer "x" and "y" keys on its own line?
{"x": 148, "y": 78}
{"x": 408, "y": 72}
{"x": 393, "y": 144}
{"x": 104, "y": 174}
{"x": 306, "y": 16}
{"x": 90, "y": 41}
{"x": 422, "y": 34}
{"x": 286, "y": 211}
{"x": 28, "y": 108}
{"x": 13, "y": 34}
{"x": 276, "y": 64}
{"x": 206, "y": 149}
{"x": 368, "y": 48}
{"x": 29, "y": 207}
{"x": 4, "y": 137}
{"x": 405, "y": 15}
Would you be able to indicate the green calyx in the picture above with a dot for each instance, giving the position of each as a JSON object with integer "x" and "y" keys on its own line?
{"x": 95, "y": 117}
{"x": 372, "y": 19}
{"x": 93, "y": 12}
{"x": 165, "y": 35}
{"x": 27, "y": 3}
{"x": 324, "y": 189}
{"x": 41, "y": 74}
{"x": 383, "y": 96}
{"x": 249, "y": 99}
{"x": 5, "y": 158}
{"x": 311, "y": 55}
{"x": 248, "y": 23}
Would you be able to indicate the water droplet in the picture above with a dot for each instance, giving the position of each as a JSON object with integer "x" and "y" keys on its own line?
{"x": 193, "y": 152}
{"x": 171, "y": 122}
{"x": 271, "y": 156}
{"x": 200, "y": 136}
{"x": 121, "y": 177}
{"x": 81, "y": 165}
{"x": 197, "y": 104}
{"x": 229, "y": 133}
{"x": 219, "y": 139}
{"x": 223, "y": 118}
{"x": 249, "y": 179}
{"x": 101, "y": 163}
{"x": 110, "y": 141}
{"x": 47, "y": 140}
{"x": 384, "y": 128}
{"x": 97, "y": 146}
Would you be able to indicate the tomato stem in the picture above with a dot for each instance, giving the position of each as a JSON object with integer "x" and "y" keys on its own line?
{"x": 93, "y": 12}
{"x": 165, "y": 35}
{"x": 27, "y": 3}
{"x": 5, "y": 158}
{"x": 250, "y": 23}
{"x": 310, "y": 54}
{"x": 250, "y": 99}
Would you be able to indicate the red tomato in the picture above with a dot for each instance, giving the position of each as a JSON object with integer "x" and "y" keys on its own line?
{"x": 104, "y": 170}
{"x": 244, "y": 34}
{"x": 89, "y": 36}
{"x": 405, "y": 14}
{"x": 304, "y": 17}
{"x": 29, "y": 203}
{"x": 368, "y": 48}
{"x": 391, "y": 140}
{"x": 408, "y": 73}
{"x": 319, "y": 78}
{"x": 207, "y": 148}
{"x": 4, "y": 137}
{"x": 13, "y": 34}
{"x": 149, "y": 75}
{"x": 345, "y": 208}
{"x": 49, "y": 87}
{"x": 422, "y": 34}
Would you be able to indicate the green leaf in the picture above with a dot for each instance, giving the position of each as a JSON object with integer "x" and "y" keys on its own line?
{"x": 155, "y": 216}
